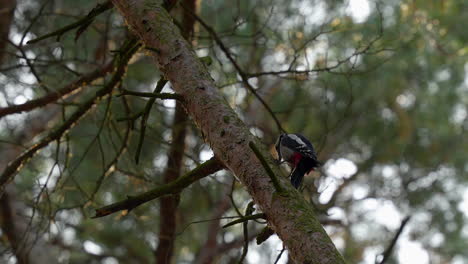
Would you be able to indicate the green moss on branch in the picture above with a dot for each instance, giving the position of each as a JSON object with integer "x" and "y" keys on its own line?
{"x": 209, "y": 167}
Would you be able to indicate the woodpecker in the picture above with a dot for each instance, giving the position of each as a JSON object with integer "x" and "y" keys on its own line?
{"x": 297, "y": 150}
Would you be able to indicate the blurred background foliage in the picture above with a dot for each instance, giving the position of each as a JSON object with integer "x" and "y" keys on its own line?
{"x": 380, "y": 88}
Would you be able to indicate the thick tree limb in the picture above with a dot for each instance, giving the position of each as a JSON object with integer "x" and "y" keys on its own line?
{"x": 292, "y": 218}
{"x": 209, "y": 167}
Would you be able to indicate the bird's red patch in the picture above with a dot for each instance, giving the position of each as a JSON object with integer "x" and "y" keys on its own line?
{"x": 296, "y": 158}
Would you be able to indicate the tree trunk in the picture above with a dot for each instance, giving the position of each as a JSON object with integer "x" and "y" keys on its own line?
{"x": 168, "y": 204}
{"x": 292, "y": 218}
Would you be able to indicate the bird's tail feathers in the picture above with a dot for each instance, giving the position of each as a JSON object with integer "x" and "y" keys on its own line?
{"x": 297, "y": 175}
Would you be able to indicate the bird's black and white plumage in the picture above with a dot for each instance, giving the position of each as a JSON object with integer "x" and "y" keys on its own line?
{"x": 297, "y": 150}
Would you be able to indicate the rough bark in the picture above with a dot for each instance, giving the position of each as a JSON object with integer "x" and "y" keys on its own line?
{"x": 292, "y": 218}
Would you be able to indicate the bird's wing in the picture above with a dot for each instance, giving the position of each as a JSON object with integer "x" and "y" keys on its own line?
{"x": 301, "y": 145}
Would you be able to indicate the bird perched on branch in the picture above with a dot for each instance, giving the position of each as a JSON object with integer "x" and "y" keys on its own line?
{"x": 298, "y": 152}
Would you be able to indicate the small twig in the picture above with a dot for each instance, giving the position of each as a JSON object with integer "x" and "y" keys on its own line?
{"x": 248, "y": 212}
{"x": 153, "y": 50}
{"x": 82, "y": 23}
{"x": 144, "y": 119}
{"x": 231, "y": 197}
{"x": 153, "y": 95}
{"x": 130, "y": 118}
{"x": 31, "y": 65}
{"x": 265, "y": 165}
{"x": 279, "y": 255}
{"x": 183, "y": 229}
{"x": 245, "y": 219}
{"x": 108, "y": 168}
{"x": 209, "y": 167}
{"x": 386, "y": 254}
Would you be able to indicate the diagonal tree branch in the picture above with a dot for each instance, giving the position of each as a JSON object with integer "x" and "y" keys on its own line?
{"x": 153, "y": 95}
{"x": 291, "y": 217}
{"x": 209, "y": 167}
{"x": 61, "y": 93}
{"x": 145, "y": 116}
{"x": 388, "y": 252}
